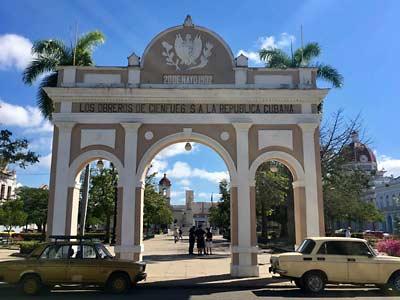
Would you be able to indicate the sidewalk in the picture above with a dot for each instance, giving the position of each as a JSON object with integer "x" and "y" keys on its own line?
{"x": 168, "y": 264}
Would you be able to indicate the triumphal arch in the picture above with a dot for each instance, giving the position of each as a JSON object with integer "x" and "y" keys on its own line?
{"x": 187, "y": 86}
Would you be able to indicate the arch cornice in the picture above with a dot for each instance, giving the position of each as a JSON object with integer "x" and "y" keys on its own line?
{"x": 186, "y": 136}
{"x": 200, "y": 28}
{"x": 79, "y": 162}
{"x": 288, "y": 160}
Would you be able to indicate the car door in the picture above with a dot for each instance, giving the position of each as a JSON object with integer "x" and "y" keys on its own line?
{"x": 331, "y": 258}
{"x": 363, "y": 265}
{"x": 84, "y": 265}
{"x": 53, "y": 263}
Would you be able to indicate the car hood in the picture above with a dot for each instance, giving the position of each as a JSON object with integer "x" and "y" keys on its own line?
{"x": 388, "y": 259}
{"x": 287, "y": 256}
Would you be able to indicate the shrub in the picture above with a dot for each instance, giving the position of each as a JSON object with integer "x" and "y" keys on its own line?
{"x": 26, "y": 247}
{"x": 391, "y": 247}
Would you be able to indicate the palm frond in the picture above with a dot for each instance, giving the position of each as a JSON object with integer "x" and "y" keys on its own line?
{"x": 51, "y": 47}
{"x": 44, "y": 102}
{"x": 275, "y": 58}
{"x": 86, "y": 45}
{"x": 309, "y": 51}
{"x": 330, "y": 74}
{"x": 38, "y": 66}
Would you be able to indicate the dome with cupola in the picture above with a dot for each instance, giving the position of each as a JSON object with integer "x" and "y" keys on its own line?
{"x": 358, "y": 155}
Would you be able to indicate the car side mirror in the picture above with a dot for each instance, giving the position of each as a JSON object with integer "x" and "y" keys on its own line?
{"x": 369, "y": 254}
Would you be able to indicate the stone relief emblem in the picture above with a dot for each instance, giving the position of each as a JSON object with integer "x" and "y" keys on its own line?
{"x": 187, "y": 53}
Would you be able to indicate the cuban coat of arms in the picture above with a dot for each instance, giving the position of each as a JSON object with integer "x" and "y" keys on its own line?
{"x": 187, "y": 53}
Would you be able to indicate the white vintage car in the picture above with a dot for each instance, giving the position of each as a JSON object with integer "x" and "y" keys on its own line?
{"x": 322, "y": 260}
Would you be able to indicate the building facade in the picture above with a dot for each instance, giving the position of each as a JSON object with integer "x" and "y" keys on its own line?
{"x": 8, "y": 185}
{"x": 187, "y": 87}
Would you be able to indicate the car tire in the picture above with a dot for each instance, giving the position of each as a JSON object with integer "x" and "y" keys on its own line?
{"x": 393, "y": 285}
{"x": 314, "y": 282}
{"x": 299, "y": 283}
{"x": 31, "y": 284}
{"x": 118, "y": 283}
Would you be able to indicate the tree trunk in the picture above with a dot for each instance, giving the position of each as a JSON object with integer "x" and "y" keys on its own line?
{"x": 264, "y": 229}
{"x": 108, "y": 226}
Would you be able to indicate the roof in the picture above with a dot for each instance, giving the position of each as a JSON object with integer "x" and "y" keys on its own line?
{"x": 165, "y": 181}
{"x": 334, "y": 238}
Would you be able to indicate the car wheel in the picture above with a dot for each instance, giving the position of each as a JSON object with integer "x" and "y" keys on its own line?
{"x": 314, "y": 282}
{"x": 118, "y": 283}
{"x": 299, "y": 283}
{"x": 394, "y": 283}
{"x": 31, "y": 284}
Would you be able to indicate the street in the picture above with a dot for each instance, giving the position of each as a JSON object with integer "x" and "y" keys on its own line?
{"x": 172, "y": 274}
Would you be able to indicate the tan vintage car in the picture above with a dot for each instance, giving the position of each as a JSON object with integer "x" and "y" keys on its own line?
{"x": 66, "y": 262}
{"x": 322, "y": 260}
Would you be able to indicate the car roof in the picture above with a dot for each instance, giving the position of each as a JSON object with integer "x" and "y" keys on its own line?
{"x": 334, "y": 238}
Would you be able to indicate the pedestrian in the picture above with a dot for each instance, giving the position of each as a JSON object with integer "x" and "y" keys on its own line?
{"x": 200, "y": 240}
{"x": 348, "y": 232}
{"x": 180, "y": 234}
{"x": 192, "y": 239}
{"x": 209, "y": 237}
{"x": 176, "y": 234}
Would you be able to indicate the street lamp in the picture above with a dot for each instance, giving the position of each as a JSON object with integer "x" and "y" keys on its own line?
{"x": 100, "y": 165}
{"x": 188, "y": 146}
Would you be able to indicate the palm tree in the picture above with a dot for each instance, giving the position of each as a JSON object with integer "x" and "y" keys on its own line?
{"x": 302, "y": 57}
{"x": 49, "y": 54}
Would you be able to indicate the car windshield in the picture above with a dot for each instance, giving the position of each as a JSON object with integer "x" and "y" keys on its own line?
{"x": 103, "y": 252}
{"x": 306, "y": 247}
{"x": 372, "y": 249}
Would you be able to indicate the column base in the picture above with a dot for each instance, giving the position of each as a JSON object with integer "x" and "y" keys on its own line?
{"x": 129, "y": 252}
{"x": 245, "y": 271}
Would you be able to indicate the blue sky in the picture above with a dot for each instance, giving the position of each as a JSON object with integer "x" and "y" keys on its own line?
{"x": 359, "y": 40}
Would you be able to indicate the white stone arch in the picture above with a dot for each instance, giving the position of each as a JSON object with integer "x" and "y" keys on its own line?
{"x": 91, "y": 155}
{"x": 186, "y": 136}
{"x": 288, "y": 160}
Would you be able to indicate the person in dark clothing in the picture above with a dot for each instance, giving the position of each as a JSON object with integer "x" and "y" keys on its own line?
{"x": 209, "y": 237}
{"x": 192, "y": 239}
{"x": 200, "y": 240}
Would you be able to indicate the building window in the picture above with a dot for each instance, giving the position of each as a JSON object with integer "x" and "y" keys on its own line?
{"x": 3, "y": 189}
{"x": 8, "y": 192}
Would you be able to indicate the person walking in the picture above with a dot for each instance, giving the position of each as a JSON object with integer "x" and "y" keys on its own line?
{"x": 192, "y": 239}
{"x": 200, "y": 240}
{"x": 348, "y": 232}
{"x": 176, "y": 234}
{"x": 180, "y": 234}
{"x": 209, "y": 237}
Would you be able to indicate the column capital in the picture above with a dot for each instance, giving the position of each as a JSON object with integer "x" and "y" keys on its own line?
{"x": 64, "y": 125}
{"x": 131, "y": 126}
{"x": 140, "y": 184}
{"x": 308, "y": 127}
{"x": 242, "y": 126}
{"x": 298, "y": 183}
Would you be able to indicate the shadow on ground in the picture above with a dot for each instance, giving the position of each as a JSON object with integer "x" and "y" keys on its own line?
{"x": 175, "y": 257}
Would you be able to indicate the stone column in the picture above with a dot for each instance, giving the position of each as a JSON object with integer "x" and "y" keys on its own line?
{"x": 71, "y": 221}
{"x": 126, "y": 218}
{"x": 244, "y": 258}
{"x": 61, "y": 189}
{"x": 299, "y": 195}
{"x": 310, "y": 181}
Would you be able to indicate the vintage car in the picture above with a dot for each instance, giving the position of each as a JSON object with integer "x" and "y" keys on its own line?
{"x": 71, "y": 261}
{"x": 322, "y": 260}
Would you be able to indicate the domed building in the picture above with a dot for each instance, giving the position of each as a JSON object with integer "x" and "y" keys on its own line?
{"x": 359, "y": 156}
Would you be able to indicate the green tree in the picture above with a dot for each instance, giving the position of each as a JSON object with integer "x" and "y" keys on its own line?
{"x": 271, "y": 193}
{"x": 220, "y": 214}
{"x": 102, "y": 198}
{"x": 35, "y": 203}
{"x": 156, "y": 212}
{"x": 51, "y": 53}
{"x": 12, "y": 214}
{"x": 14, "y": 151}
{"x": 302, "y": 57}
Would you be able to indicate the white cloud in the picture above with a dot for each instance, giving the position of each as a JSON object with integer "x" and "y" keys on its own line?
{"x": 390, "y": 164}
{"x": 158, "y": 166}
{"x": 175, "y": 149}
{"x": 184, "y": 182}
{"x": 182, "y": 170}
{"x": 268, "y": 42}
{"x": 45, "y": 161}
{"x": 15, "y": 51}
{"x": 41, "y": 144}
{"x": 27, "y": 117}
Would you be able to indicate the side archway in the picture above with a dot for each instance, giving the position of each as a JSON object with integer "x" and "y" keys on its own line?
{"x": 298, "y": 174}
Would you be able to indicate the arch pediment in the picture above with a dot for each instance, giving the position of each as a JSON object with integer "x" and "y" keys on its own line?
{"x": 187, "y": 54}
